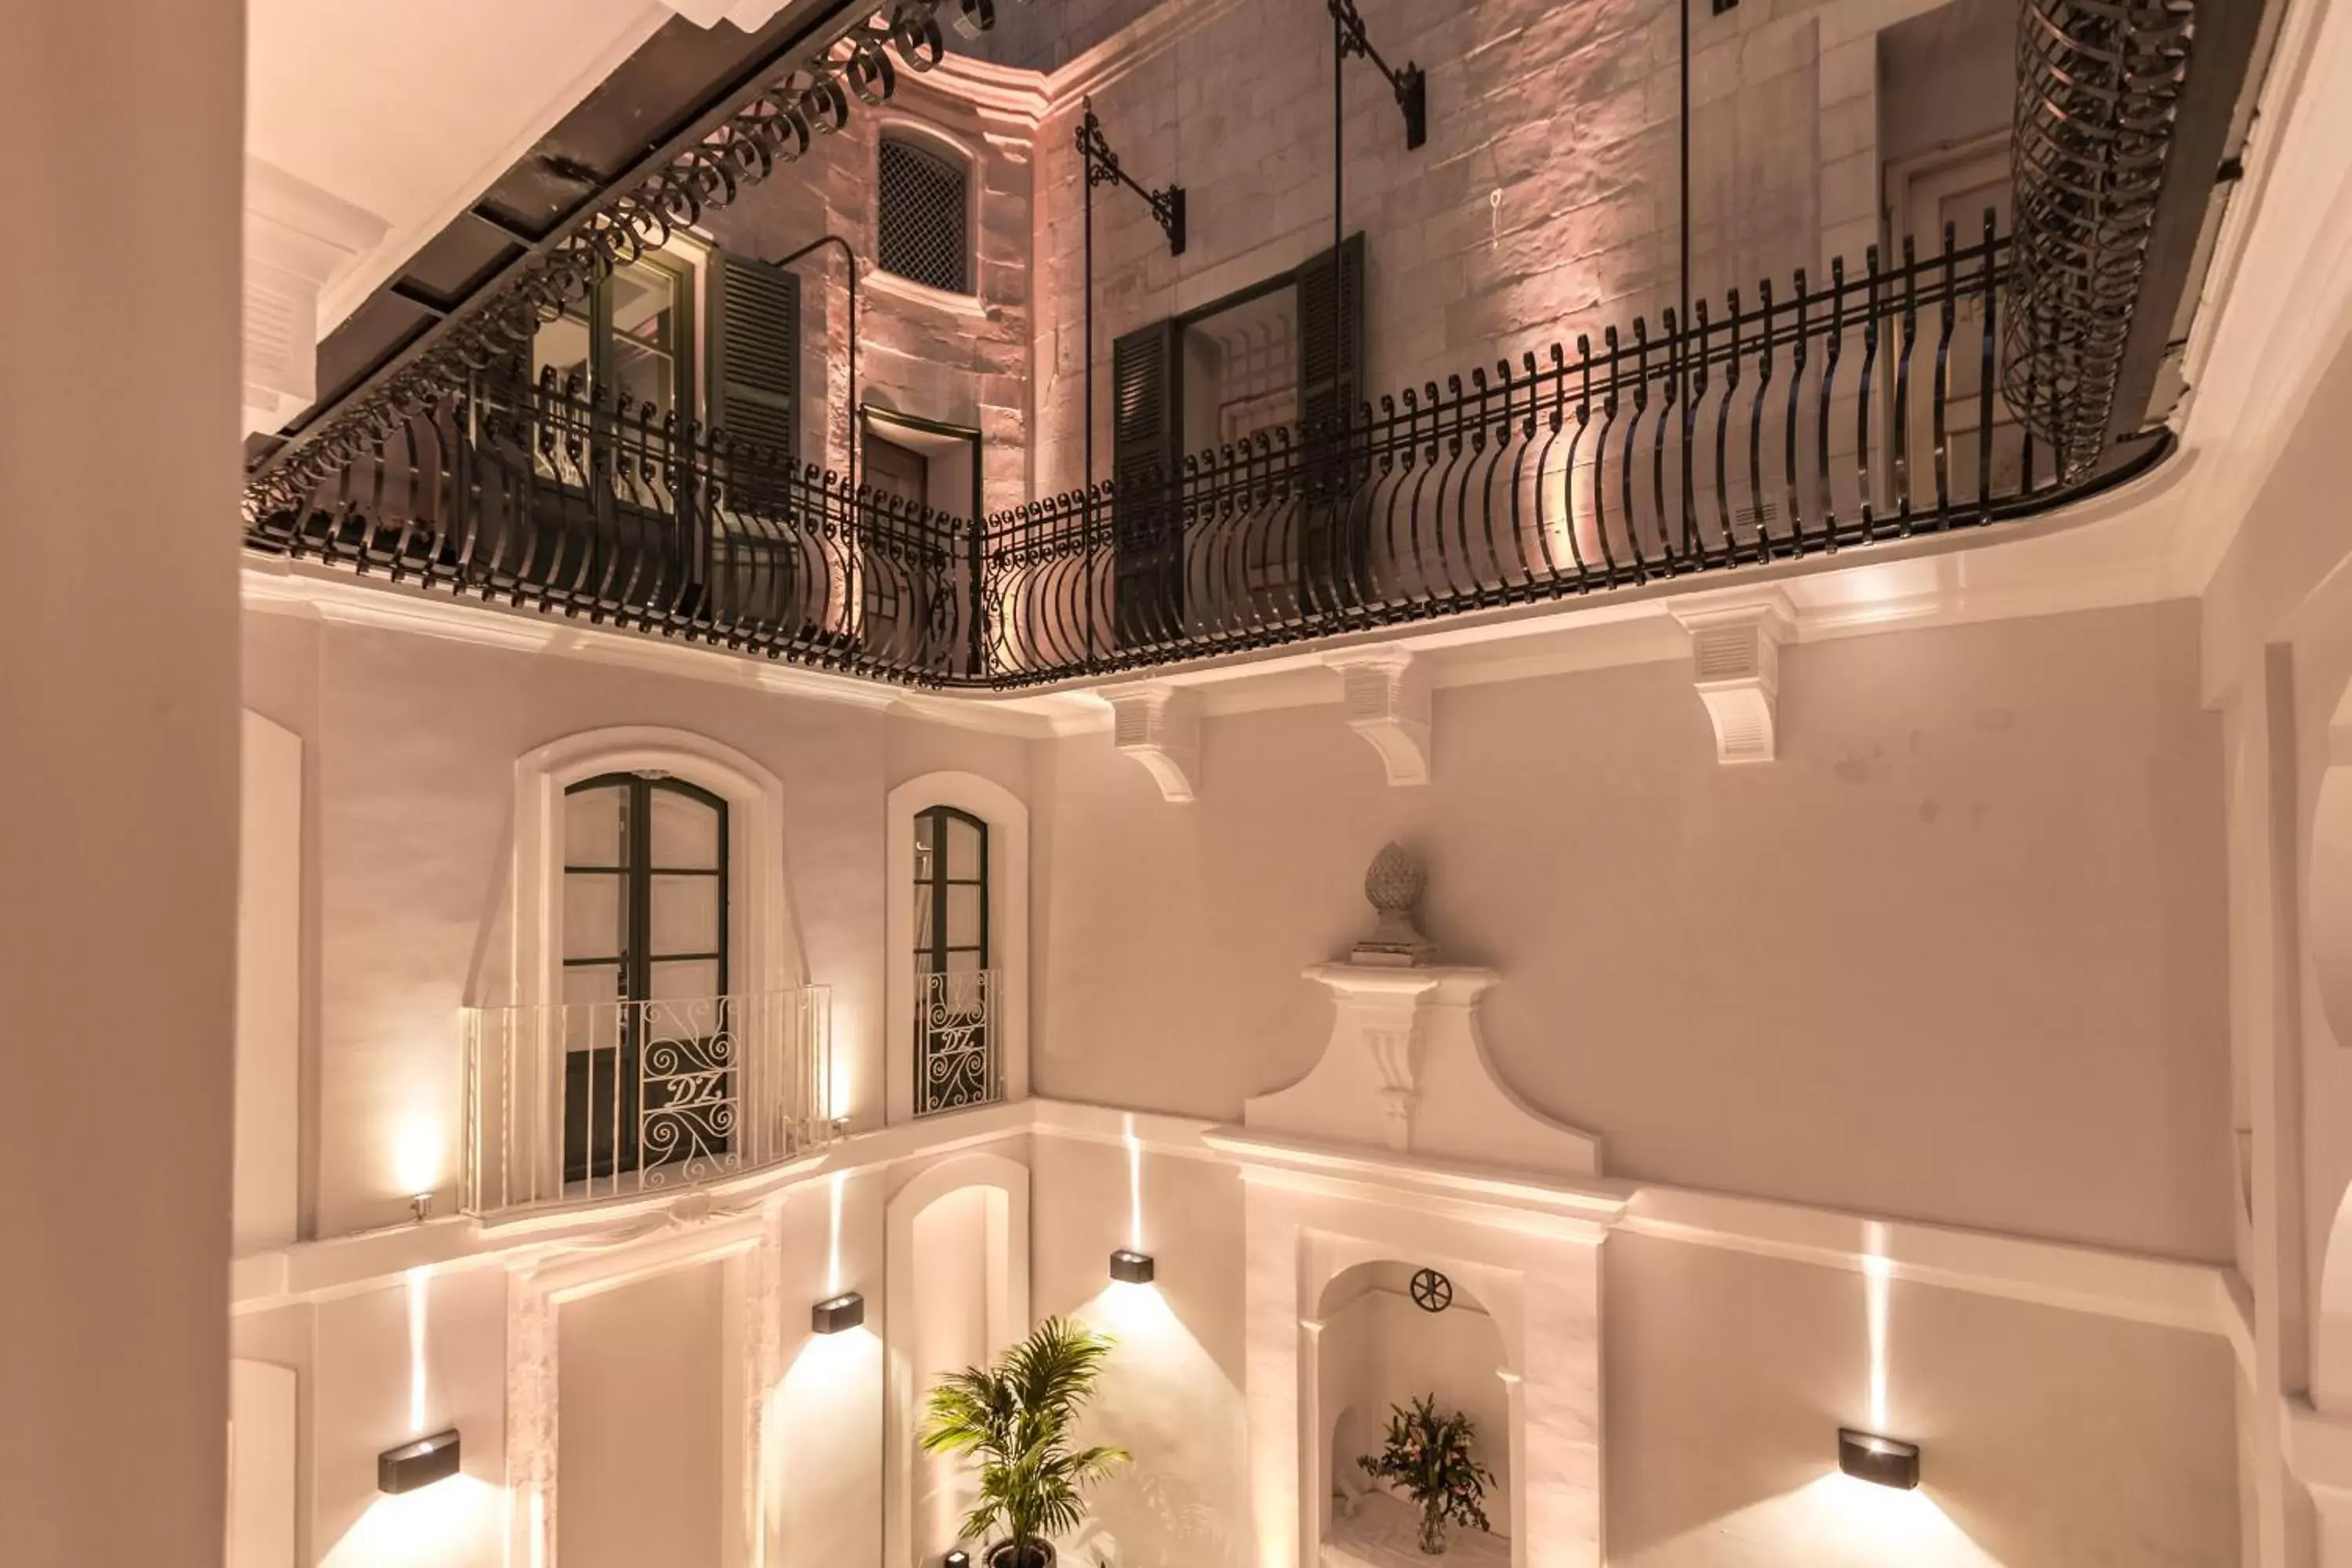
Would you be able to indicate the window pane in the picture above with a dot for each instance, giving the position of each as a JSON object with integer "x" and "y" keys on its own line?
{"x": 685, "y": 915}
{"x": 596, "y": 824}
{"x": 963, "y": 962}
{"x": 564, "y": 344}
{"x": 640, "y": 377}
{"x": 686, "y": 982}
{"x": 924, "y": 935}
{"x": 591, "y": 915}
{"x": 964, "y": 852}
{"x": 644, "y": 307}
{"x": 963, "y": 917}
{"x": 591, "y": 1017}
{"x": 686, "y": 832}
{"x": 923, "y": 825}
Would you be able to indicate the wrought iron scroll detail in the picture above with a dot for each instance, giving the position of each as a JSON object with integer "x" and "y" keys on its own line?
{"x": 688, "y": 1093}
{"x": 1103, "y": 169}
{"x": 775, "y": 127}
{"x": 958, "y": 1064}
{"x": 2099, "y": 85}
{"x": 1410, "y": 84}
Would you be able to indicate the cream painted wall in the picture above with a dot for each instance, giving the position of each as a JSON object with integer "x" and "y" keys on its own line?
{"x": 643, "y": 1427}
{"x": 950, "y": 1332}
{"x": 1171, "y": 1394}
{"x": 2050, "y": 1440}
{"x": 1959, "y": 954}
{"x": 411, "y": 744}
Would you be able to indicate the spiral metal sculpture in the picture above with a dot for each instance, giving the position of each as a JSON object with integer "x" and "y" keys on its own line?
{"x": 2099, "y": 89}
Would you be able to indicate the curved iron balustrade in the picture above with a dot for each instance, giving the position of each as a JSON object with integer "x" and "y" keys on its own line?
{"x": 1870, "y": 409}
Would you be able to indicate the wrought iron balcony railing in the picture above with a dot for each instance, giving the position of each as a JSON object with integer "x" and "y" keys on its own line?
{"x": 581, "y": 1102}
{"x": 959, "y": 1059}
{"x": 1876, "y": 405}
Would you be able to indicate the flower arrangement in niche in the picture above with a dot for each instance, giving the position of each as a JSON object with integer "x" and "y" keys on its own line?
{"x": 1429, "y": 1456}
{"x": 1016, "y": 1418}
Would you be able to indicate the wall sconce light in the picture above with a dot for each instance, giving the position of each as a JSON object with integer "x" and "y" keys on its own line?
{"x": 958, "y": 1558}
{"x": 421, "y": 1206}
{"x": 1884, "y": 1461}
{"x": 1131, "y": 1268}
{"x": 838, "y": 1313}
{"x": 418, "y": 1464}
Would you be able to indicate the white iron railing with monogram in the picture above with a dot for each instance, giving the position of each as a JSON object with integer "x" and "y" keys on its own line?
{"x": 957, "y": 1060}
{"x": 583, "y": 1102}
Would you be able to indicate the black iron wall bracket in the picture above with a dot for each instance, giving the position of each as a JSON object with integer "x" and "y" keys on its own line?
{"x": 1411, "y": 87}
{"x": 1103, "y": 169}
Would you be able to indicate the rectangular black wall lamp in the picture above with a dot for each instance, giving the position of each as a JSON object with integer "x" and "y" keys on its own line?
{"x": 1132, "y": 1268}
{"x": 418, "y": 1464}
{"x": 958, "y": 1558}
{"x": 838, "y": 1313}
{"x": 1886, "y": 1461}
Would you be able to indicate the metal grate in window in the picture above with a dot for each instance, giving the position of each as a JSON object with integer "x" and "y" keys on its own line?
{"x": 923, "y": 209}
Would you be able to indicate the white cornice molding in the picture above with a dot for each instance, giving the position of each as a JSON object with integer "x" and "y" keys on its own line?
{"x": 298, "y": 239}
{"x": 339, "y": 598}
{"x": 1020, "y": 97}
{"x": 2168, "y": 1292}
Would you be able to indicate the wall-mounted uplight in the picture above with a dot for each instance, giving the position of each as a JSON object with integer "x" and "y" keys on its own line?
{"x": 418, "y": 1464}
{"x": 1132, "y": 1268}
{"x": 958, "y": 1558}
{"x": 1885, "y": 1461}
{"x": 837, "y": 1314}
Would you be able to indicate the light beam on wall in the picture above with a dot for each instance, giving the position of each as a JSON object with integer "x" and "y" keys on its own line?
{"x": 833, "y": 1258}
{"x": 417, "y": 1156}
{"x": 1134, "y": 1187}
{"x": 419, "y": 1282}
{"x": 1877, "y": 1268}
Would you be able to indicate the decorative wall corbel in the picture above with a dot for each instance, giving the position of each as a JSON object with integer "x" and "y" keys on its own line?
{"x": 1385, "y": 692}
{"x": 1736, "y": 669}
{"x": 1159, "y": 726}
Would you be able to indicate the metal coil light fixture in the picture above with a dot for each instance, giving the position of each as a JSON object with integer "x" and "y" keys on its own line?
{"x": 2099, "y": 85}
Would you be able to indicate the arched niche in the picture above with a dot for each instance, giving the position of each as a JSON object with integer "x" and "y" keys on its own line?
{"x": 1378, "y": 1348}
{"x": 966, "y": 1207}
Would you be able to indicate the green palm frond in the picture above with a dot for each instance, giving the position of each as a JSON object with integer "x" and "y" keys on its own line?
{"x": 1015, "y": 1420}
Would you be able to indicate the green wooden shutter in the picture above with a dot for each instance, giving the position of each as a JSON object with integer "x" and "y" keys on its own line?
{"x": 1333, "y": 551}
{"x": 755, "y": 337}
{"x": 1331, "y": 337}
{"x": 1147, "y": 536}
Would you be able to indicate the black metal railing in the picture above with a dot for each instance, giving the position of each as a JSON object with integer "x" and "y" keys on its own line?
{"x": 537, "y": 495}
{"x": 1871, "y": 407}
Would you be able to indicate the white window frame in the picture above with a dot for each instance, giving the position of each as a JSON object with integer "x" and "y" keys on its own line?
{"x": 1008, "y": 925}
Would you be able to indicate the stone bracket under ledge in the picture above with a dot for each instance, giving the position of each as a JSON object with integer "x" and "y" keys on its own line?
{"x": 1159, "y": 726}
{"x": 1405, "y": 1069}
{"x": 1736, "y": 669}
{"x": 1386, "y": 695}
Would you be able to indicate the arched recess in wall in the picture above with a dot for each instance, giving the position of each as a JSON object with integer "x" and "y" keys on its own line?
{"x": 1377, "y": 1347}
{"x": 1001, "y": 1188}
{"x": 1007, "y": 820}
{"x": 2328, "y": 934}
{"x": 764, "y": 939}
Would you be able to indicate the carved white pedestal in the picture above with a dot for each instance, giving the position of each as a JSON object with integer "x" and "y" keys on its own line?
{"x": 1403, "y": 1146}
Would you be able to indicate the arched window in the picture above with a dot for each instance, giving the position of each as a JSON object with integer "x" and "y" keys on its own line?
{"x": 647, "y": 1055}
{"x": 956, "y": 1040}
{"x": 923, "y": 214}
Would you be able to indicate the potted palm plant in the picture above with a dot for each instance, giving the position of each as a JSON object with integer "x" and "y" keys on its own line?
{"x": 1429, "y": 1456}
{"x": 1017, "y": 1419}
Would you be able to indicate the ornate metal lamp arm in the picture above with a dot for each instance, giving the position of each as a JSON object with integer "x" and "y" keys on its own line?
{"x": 1103, "y": 169}
{"x": 1411, "y": 87}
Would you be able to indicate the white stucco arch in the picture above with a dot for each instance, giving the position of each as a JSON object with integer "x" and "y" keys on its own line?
{"x": 1008, "y": 894}
{"x": 1005, "y": 1183}
{"x": 767, "y": 951}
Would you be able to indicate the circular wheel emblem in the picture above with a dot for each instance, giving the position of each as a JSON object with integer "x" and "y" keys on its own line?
{"x": 1432, "y": 1291}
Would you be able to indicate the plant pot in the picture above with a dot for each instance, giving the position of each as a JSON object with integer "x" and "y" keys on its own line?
{"x": 1007, "y": 1554}
{"x": 1432, "y": 1534}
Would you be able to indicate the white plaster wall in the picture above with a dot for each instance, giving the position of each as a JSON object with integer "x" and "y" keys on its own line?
{"x": 1171, "y": 1393}
{"x": 2048, "y": 1438}
{"x": 642, "y": 1426}
{"x": 269, "y": 985}
{"x": 412, "y": 744}
{"x": 1959, "y": 954}
{"x": 950, "y": 1334}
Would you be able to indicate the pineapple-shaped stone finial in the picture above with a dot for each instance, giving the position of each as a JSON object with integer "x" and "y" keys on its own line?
{"x": 1393, "y": 886}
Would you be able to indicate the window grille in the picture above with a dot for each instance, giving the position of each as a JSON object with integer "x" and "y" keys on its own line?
{"x": 924, "y": 207}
